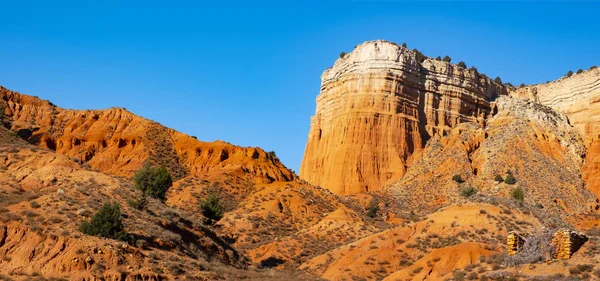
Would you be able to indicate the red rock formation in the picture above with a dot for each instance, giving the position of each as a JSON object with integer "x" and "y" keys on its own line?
{"x": 578, "y": 97}
{"x": 117, "y": 141}
{"x": 378, "y": 106}
{"x": 536, "y": 144}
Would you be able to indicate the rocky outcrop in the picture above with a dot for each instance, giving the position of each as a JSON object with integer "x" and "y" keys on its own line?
{"x": 567, "y": 242}
{"x": 578, "y": 97}
{"x": 117, "y": 142}
{"x": 45, "y": 197}
{"x": 530, "y": 141}
{"x": 378, "y": 106}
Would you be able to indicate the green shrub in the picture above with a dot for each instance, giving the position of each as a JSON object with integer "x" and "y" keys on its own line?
{"x": 106, "y": 223}
{"x": 212, "y": 208}
{"x": 154, "y": 181}
{"x": 468, "y": 191}
{"x": 593, "y": 67}
{"x": 459, "y": 275}
{"x": 2, "y": 106}
{"x": 462, "y": 64}
{"x": 457, "y": 178}
{"x": 472, "y": 276}
{"x": 518, "y": 194}
{"x": 373, "y": 208}
{"x": 498, "y": 80}
{"x": 272, "y": 154}
{"x": 585, "y": 267}
{"x": 438, "y": 58}
{"x": 569, "y": 74}
{"x": 447, "y": 59}
{"x": 498, "y": 178}
{"x": 510, "y": 179}
{"x": 139, "y": 204}
{"x": 342, "y": 55}
{"x": 579, "y": 71}
{"x": 404, "y": 45}
{"x": 419, "y": 56}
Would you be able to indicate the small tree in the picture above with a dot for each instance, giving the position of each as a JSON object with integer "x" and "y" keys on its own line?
{"x": 373, "y": 208}
{"x": 153, "y": 181}
{"x": 212, "y": 208}
{"x": 106, "y": 223}
{"x": 468, "y": 191}
{"x": 593, "y": 67}
{"x": 462, "y": 64}
{"x": 518, "y": 194}
{"x": 438, "y": 58}
{"x": 404, "y": 45}
{"x": 579, "y": 71}
{"x": 2, "y": 107}
{"x": 139, "y": 204}
{"x": 447, "y": 59}
{"x": 569, "y": 74}
{"x": 510, "y": 179}
{"x": 419, "y": 56}
{"x": 498, "y": 80}
{"x": 498, "y": 178}
{"x": 457, "y": 178}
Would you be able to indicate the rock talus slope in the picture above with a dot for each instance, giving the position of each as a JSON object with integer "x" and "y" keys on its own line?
{"x": 533, "y": 143}
{"x": 578, "y": 97}
{"x": 377, "y": 108}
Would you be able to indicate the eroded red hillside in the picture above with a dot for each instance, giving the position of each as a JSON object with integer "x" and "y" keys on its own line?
{"x": 117, "y": 142}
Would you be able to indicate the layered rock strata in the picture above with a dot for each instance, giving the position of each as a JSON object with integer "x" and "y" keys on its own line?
{"x": 578, "y": 97}
{"x": 378, "y": 106}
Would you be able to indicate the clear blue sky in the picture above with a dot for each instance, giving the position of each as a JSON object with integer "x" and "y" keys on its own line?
{"x": 248, "y": 72}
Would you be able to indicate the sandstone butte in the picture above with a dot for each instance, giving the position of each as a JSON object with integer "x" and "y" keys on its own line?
{"x": 116, "y": 142}
{"x": 377, "y": 108}
{"x": 388, "y": 136}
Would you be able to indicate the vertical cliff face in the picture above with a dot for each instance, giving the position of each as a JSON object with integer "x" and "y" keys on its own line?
{"x": 378, "y": 106}
{"x": 578, "y": 97}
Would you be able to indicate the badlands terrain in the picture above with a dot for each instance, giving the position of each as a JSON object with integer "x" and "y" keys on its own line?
{"x": 415, "y": 168}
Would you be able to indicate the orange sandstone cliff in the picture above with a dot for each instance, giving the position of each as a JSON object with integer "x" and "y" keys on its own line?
{"x": 578, "y": 97}
{"x": 377, "y": 108}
